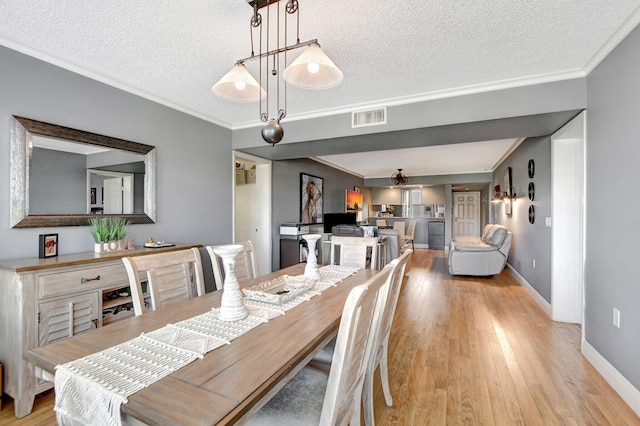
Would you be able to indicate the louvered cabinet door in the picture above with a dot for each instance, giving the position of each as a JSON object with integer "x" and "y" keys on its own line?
{"x": 63, "y": 318}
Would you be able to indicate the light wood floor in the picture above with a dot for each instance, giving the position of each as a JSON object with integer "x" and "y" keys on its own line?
{"x": 471, "y": 351}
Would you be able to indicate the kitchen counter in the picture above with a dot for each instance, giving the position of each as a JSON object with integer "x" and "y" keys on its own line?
{"x": 421, "y": 233}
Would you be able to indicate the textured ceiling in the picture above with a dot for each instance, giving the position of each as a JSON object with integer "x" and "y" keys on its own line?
{"x": 390, "y": 52}
{"x": 472, "y": 157}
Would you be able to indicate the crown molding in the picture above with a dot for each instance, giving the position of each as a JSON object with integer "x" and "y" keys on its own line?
{"x": 627, "y": 26}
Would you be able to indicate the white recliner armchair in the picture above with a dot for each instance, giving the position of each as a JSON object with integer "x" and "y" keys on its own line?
{"x": 480, "y": 256}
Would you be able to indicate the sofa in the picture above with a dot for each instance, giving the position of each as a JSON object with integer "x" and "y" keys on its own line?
{"x": 480, "y": 256}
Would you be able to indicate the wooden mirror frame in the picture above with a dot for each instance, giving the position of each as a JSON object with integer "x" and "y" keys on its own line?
{"x": 22, "y": 128}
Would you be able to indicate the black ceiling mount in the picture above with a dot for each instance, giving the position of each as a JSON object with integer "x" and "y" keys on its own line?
{"x": 261, "y": 3}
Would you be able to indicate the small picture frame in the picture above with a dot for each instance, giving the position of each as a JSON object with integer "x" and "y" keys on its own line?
{"x": 48, "y": 246}
{"x": 357, "y": 189}
{"x": 93, "y": 195}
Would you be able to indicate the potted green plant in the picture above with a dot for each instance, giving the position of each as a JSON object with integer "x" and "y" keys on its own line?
{"x": 108, "y": 230}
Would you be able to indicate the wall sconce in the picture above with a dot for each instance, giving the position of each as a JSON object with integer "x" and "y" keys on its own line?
{"x": 513, "y": 195}
{"x": 499, "y": 196}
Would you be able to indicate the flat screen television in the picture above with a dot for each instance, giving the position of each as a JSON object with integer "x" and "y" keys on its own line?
{"x": 332, "y": 219}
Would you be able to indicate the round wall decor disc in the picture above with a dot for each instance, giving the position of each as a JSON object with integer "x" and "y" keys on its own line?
{"x": 532, "y": 214}
{"x": 532, "y": 191}
{"x": 531, "y": 168}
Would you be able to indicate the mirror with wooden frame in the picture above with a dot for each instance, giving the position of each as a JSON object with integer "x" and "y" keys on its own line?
{"x": 62, "y": 176}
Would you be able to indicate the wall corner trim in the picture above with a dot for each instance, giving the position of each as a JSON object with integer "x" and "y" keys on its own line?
{"x": 546, "y": 306}
{"x": 618, "y": 382}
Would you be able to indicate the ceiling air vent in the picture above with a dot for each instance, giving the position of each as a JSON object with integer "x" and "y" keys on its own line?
{"x": 371, "y": 117}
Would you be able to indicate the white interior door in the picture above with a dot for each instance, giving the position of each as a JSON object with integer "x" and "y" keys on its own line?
{"x": 466, "y": 213}
{"x": 113, "y": 196}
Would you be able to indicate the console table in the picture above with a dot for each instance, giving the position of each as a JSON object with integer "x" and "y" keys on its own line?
{"x": 45, "y": 300}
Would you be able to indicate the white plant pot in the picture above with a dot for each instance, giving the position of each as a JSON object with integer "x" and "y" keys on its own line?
{"x": 110, "y": 246}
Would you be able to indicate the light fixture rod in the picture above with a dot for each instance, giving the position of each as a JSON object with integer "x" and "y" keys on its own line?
{"x": 278, "y": 51}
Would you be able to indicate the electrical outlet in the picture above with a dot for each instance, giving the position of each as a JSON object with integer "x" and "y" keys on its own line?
{"x": 616, "y": 317}
{"x": 534, "y": 264}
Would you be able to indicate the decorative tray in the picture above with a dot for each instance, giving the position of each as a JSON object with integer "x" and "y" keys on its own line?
{"x": 158, "y": 244}
{"x": 281, "y": 289}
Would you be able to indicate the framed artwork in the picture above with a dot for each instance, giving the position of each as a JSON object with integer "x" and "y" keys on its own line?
{"x": 48, "y": 246}
{"x": 93, "y": 195}
{"x": 353, "y": 201}
{"x": 508, "y": 190}
{"x": 311, "y": 208}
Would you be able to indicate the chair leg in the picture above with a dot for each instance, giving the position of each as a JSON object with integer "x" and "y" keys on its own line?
{"x": 384, "y": 375}
{"x": 367, "y": 397}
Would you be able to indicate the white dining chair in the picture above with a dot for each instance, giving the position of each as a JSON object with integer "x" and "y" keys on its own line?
{"x": 408, "y": 237}
{"x": 322, "y": 361}
{"x": 312, "y": 397}
{"x": 399, "y": 225}
{"x": 171, "y": 277}
{"x": 355, "y": 251}
{"x": 246, "y": 267}
{"x": 379, "y": 354}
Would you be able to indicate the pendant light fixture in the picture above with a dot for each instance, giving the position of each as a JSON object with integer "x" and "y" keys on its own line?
{"x": 399, "y": 179}
{"x": 311, "y": 70}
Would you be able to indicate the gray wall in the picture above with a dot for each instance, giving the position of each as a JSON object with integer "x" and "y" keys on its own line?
{"x": 194, "y": 197}
{"x": 612, "y": 265}
{"x": 530, "y": 241}
{"x": 286, "y": 194}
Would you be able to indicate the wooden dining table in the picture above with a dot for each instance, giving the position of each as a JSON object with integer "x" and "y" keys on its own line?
{"x": 231, "y": 382}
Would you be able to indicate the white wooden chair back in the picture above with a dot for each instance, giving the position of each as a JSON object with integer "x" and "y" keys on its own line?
{"x": 246, "y": 267}
{"x": 394, "y": 293}
{"x": 381, "y": 340}
{"x": 361, "y": 317}
{"x": 171, "y": 277}
{"x": 399, "y": 226}
{"x": 408, "y": 237}
{"x": 354, "y": 251}
{"x": 381, "y": 222}
{"x": 410, "y": 229}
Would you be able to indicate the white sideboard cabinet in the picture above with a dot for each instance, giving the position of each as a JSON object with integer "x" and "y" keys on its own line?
{"x": 44, "y": 300}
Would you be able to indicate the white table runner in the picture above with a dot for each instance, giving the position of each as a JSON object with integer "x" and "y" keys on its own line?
{"x": 91, "y": 390}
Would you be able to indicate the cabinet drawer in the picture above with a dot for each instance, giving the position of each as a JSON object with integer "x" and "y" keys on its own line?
{"x": 77, "y": 280}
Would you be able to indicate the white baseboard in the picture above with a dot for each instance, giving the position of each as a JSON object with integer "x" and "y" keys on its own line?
{"x": 546, "y": 306}
{"x": 618, "y": 382}
{"x": 421, "y": 246}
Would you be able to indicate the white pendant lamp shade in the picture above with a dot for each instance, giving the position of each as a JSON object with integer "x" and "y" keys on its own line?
{"x": 239, "y": 86}
{"x": 313, "y": 70}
